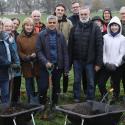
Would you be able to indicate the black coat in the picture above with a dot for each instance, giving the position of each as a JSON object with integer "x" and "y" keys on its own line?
{"x": 74, "y": 19}
{"x": 95, "y": 44}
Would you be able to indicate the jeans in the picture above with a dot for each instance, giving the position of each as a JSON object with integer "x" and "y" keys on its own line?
{"x": 4, "y": 86}
{"x": 30, "y": 88}
{"x": 79, "y": 67}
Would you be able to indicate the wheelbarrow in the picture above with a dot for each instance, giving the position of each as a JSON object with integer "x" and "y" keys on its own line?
{"x": 19, "y": 114}
{"x": 92, "y": 113}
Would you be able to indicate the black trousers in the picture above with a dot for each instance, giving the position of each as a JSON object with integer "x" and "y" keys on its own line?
{"x": 115, "y": 76}
{"x": 65, "y": 83}
{"x": 53, "y": 88}
{"x": 16, "y": 89}
{"x": 123, "y": 77}
{"x": 84, "y": 82}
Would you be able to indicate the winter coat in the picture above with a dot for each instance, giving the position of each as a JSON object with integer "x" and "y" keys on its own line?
{"x": 15, "y": 72}
{"x": 94, "y": 47}
{"x": 39, "y": 27}
{"x": 74, "y": 19}
{"x": 26, "y": 46}
{"x": 6, "y": 50}
{"x": 123, "y": 28}
{"x": 114, "y": 47}
{"x": 65, "y": 26}
{"x": 43, "y": 51}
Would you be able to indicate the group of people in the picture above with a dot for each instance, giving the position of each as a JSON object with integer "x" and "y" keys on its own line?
{"x": 95, "y": 48}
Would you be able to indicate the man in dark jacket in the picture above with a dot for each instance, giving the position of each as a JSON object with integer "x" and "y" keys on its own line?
{"x": 122, "y": 15}
{"x": 51, "y": 50}
{"x": 75, "y": 19}
{"x": 75, "y": 9}
{"x": 85, "y": 52}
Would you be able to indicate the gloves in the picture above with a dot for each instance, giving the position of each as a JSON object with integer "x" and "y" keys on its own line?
{"x": 29, "y": 58}
{"x": 123, "y": 58}
{"x": 26, "y": 59}
{"x": 16, "y": 67}
{"x": 110, "y": 67}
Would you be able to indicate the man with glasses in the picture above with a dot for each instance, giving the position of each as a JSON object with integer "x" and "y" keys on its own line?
{"x": 75, "y": 9}
{"x": 85, "y": 53}
{"x": 51, "y": 51}
{"x": 75, "y": 19}
{"x": 122, "y": 16}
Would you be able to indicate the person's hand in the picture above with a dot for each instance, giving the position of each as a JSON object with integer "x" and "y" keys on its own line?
{"x": 111, "y": 67}
{"x": 123, "y": 58}
{"x": 97, "y": 68}
{"x": 33, "y": 55}
{"x": 16, "y": 67}
{"x": 48, "y": 65}
{"x": 66, "y": 74}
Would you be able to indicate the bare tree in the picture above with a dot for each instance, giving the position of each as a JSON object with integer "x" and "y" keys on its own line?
{"x": 96, "y": 5}
{"x": 2, "y": 7}
{"x": 18, "y": 5}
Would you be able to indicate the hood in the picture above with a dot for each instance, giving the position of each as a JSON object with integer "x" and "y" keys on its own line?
{"x": 116, "y": 20}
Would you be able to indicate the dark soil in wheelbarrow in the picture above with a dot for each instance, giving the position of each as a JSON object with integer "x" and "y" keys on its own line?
{"x": 11, "y": 110}
{"x": 92, "y": 108}
{"x": 93, "y": 113}
{"x": 83, "y": 109}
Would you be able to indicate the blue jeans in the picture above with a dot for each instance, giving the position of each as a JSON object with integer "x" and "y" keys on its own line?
{"x": 79, "y": 66}
{"x": 4, "y": 86}
{"x": 30, "y": 88}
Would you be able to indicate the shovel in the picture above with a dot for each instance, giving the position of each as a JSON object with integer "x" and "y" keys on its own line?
{"x": 48, "y": 111}
{"x": 49, "y": 70}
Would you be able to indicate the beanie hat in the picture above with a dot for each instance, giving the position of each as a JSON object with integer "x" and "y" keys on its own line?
{"x": 97, "y": 18}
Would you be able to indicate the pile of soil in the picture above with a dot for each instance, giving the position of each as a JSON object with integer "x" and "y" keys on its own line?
{"x": 92, "y": 108}
{"x": 11, "y": 110}
{"x": 83, "y": 109}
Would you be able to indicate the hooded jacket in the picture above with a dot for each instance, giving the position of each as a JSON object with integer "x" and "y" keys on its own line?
{"x": 114, "y": 47}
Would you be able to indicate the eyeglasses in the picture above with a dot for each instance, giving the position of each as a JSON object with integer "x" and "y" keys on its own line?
{"x": 36, "y": 16}
{"x": 52, "y": 22}
{"x": 83, "y": 14}
{"x": 75, "y": 7}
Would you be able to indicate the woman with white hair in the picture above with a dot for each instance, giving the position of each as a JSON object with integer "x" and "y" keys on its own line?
{"x": 7, "y": 58}
{"x": 14, "y": 71}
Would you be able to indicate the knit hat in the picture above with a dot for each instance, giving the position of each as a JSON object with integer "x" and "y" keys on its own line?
{"x": 97, "y": 18}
